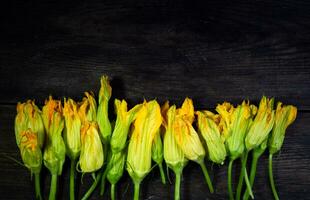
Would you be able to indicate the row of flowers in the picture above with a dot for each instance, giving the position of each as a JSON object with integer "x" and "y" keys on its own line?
{"x": 146, "y": 133}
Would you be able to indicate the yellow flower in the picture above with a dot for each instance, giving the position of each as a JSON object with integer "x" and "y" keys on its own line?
{"x": 185, "y": 135}
{"x": 262, "y": 124}
{"x": 30, "y": 151}
{"x": 72, "y": 130}
{"x": 225, "y": 110}
{"x": 92, "y": 156}
{"x": 29, "y": 116}
{"x": 145, "y": 129}
{"x": 173, "y": 154}
{"x": 285, "y": 115}
{"x": 55, "y": 150}
{"x": 211, "y": 133}
{"x": 122, "y": 124}
{"x": 240, "y": 120}
{"x": 103, "y": 115}
{"x": 88, "y": 108}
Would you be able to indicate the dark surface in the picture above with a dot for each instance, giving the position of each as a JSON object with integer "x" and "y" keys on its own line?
{"x": 210, "y": 51}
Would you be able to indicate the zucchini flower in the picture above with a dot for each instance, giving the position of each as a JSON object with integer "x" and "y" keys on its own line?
{"x": 261, "y": 125}
{"x": 173, "y": 154}
{"x": 72, "y": 139}
{"x": 157, "y": 147}
{"x": 123, "y": 121}
{"x": 92, "y": 156}
{"x": 210, "y": 132}
{"x": 29, "y": 116}
{"x": 237, "y": 124}
{"x": 157, "y": 154}
{"x": 225, "y": 111}
{"x": 188, "y": 139}
{"x": 103, "y": 115}
{"x": 285, "y": 115}
{"x": 72, "y": 128}
{"x": 32, "y": 156}
{"x": 258, "y": 134}
{"x": 88, "y": 108}
{"x": 145, "y": 129}
{"x": 55, "y": 150}
{"x": 115, "y": 169}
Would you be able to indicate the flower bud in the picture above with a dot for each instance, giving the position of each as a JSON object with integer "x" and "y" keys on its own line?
{"x": 72, "y": 130}
{"x": 225, "y": 111}
{"x": 238, "y": 126}
{"x": 262, "y": 124}
{"x": 88, "y": 108}
{"x": 102, "y": 115}
{"x": 30, "y": 151}
{"x": 123, "y": 121}
{"x": 211, "y": 134}
{"x": 157, "y": 148}
{"x": 285, "y": 115}
{"x": 91, "y": 157}
{"x": 55, "y": 150}
{"x": 29, "y": 116}
{"x": 185, "y": 135}
{"x": 173, "y": 154}
{"x": 145, "y": 129}
{"x": 116, "y": 166}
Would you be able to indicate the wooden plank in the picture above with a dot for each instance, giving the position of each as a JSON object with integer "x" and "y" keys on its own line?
{"x": 206, "y": 51}
{"x": 291, "y": 170}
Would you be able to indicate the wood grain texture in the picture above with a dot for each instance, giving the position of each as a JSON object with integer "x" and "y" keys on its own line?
{"x": 211, "y": 51}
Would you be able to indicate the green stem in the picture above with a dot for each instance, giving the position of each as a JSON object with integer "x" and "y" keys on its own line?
{"x": 230, "y": 191}
{"x": 207, "y": 177}
{"x": 92, "y": 187}
{"x": 102, "y": 184}
{"x": 252, "y": 173}
{"x": 162, "y": 174}
{"x": 113, "y": 191}
{"x": 136, "y": 191}
{"x": 72, "y": 177}
{"x": 37, "y": 186}
{"x": 247, "y": 182}
{"x": 53, "y": 188}
{"x": 274, "y": 191}
{"x": 241, "y": 177}
{"x": 177, "y": 185}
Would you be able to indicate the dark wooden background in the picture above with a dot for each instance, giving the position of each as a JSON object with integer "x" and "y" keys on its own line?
{"x": 210, "y": 51}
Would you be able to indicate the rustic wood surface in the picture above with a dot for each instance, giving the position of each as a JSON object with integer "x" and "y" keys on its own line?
{"x": 210, "y": 51}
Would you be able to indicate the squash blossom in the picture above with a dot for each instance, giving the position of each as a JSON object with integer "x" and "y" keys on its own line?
{"x": 123, "y": 121}
{"x": 188, "y": 139}
{"x": 157, "y": 147}
{"x": 210, "y": 132}
{"x": 261, "y": 125}
{"x": 173, "y": 154}
{"x": 30, "y": 151}
{"x": 29, "y": 116}
{"x": 258, "y": 134}
{"x": 102, "y": 113}
{"x": 285, "y": 115}
{"x": 72, "y": 139}
{"x": 145, "y": 129}
{"x": 72, "y": 128}
{"x": 32, "y": 156}
{"x": 157, "y": 154}
{"x": 88, "y": 108}
{"x": 55, "y": 149}
{"x": 237, "y": 122}
{"x": 92, "y": 156}
{"x": 115, "y": 170}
